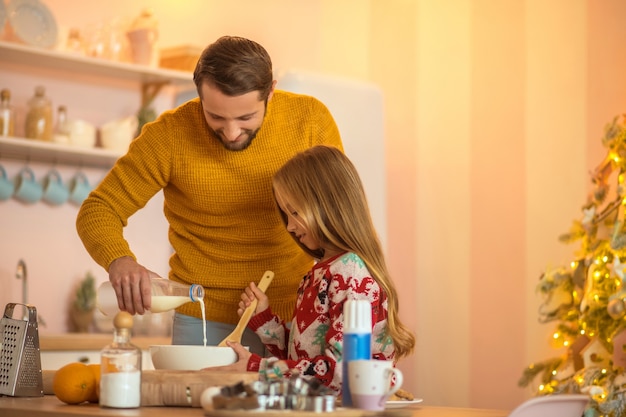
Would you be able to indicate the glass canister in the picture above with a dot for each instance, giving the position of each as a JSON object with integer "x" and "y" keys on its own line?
{"x": 39, "y": 124}
{"x": 143, "y": 35}
{"x": 166, "y": 295}
{"x": 120, "y": 367}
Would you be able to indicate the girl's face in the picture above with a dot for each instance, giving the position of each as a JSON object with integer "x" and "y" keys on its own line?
{"x": 295, "y": 223}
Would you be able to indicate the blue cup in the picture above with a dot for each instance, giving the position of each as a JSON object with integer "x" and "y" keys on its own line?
{"x": 79, "y": 188}
{"x": 6, "y": 185}
{"x": 27, "y": 189}
{"x": 54, "y": 191}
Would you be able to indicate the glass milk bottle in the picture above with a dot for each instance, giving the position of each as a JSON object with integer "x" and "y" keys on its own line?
{"x": 166, "y": 295}
{"x": 120, "y": 367}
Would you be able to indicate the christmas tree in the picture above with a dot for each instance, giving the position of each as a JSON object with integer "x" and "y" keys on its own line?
{"x": 586, "y": 299}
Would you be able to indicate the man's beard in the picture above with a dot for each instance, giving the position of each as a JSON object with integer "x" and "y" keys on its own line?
{"x": 238, "y": 146}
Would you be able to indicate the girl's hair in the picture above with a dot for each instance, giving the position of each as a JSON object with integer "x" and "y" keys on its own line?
{"x": 324, "y": 187}
{"x": 235, "y": 66}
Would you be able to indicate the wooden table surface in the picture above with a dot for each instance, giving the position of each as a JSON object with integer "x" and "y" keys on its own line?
{"x": 50, "y": 406}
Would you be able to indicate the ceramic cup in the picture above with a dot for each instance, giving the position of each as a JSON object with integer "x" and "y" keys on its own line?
{"x": 116, "y": 135}
{"x": 81, "y": 133}
{"x": 79, "y": 188}
{"x": 27, "y": 189}
{"x": 54, "y": 191}
{"x": 371, "y": 383}
{"x": 6, "y": 185}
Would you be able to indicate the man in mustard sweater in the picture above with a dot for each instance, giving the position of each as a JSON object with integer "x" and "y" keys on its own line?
{"x": 213, "y": 157}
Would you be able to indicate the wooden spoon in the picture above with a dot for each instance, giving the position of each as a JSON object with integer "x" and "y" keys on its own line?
{"x": 235, "y": 336}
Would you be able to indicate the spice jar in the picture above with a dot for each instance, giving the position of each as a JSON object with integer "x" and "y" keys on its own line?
{"x": 61, "y": 130}
{"x": 7, "y": 114}
{"x": 39, "y": 123}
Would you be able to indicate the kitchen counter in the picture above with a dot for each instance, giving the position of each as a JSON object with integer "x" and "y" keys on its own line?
{"x": 92, "y": 341}
{"x": 50, "y": 406}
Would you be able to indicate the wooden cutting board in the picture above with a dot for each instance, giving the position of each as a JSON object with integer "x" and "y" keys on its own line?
{"x": 174, "y": 388}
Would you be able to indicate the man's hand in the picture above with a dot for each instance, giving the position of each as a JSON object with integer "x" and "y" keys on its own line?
{"x": 131, "y": 282}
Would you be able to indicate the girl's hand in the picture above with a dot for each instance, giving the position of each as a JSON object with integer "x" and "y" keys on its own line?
{"x": 250, "y": 294}
{"x": 241, "y": 365}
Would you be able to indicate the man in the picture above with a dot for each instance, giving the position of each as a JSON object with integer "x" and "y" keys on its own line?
{"x": 213, "y": 157}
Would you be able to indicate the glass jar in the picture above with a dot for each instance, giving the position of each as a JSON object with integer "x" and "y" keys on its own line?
{"x": 120, "y": 367}
{"x": 61, "y": 131}
{"x": 39, "y": 124}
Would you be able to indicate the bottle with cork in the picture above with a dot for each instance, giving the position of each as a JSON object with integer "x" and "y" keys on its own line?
{"x": 7, "y": 114}
{"x": 120, "y": 367}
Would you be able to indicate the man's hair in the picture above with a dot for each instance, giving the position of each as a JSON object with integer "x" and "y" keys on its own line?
{"x": 235, "y": 66}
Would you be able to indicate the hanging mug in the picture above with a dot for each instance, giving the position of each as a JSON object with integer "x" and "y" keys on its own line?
{"x": 79, "y": 188}
{"x": 6, "y": 185}
{"x": 54, "y": 191}
{"x": 27, "y": 189}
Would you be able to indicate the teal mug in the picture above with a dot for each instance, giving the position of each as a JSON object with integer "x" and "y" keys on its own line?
{"x": 79, "y": 188}
{"x": 6, "y": 185}
{"x": 27, "y": 189}
{"x": 54, "y": 191}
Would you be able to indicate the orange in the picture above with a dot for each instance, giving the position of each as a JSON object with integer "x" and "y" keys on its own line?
{"x": 95, "y": 395}
{"x": 74, "y": 383}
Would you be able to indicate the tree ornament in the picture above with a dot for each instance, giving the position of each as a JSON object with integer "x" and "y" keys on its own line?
{"x": 616, "y": 308}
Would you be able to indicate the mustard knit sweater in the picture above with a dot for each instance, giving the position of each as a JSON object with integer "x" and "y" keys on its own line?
{"x": 224, "y": 226}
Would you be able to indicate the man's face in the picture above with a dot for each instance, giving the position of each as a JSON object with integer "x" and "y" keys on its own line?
{"x": 234, "y": 120}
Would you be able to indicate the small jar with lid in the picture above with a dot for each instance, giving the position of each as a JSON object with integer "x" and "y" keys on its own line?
{"x": 39, "y": 124}
{"x": 120, "y": 367}
{"x": 7, "y": 114}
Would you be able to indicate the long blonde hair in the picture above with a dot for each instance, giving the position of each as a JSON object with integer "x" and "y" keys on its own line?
{"x": 325, "y": 189}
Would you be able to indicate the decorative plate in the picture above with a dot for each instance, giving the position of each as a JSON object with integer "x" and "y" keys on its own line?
{"x": 402, "y": 403}
{"x": 33, "y": 23}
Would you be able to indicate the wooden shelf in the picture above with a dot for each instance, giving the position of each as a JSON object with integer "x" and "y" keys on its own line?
{"x": 28, "y": 55}
{"x": 34, "y": 150}
{"x": 148, "y": 78}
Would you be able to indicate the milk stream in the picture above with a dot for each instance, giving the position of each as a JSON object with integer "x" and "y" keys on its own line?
{"x": 161, "y": 303}
{"x": 203, "y": 309}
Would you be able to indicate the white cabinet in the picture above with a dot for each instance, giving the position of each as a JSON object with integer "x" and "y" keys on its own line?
{"x": 149, "y": 80}
{"x": 53, "y": 360}
{"x": 58, "y": 350}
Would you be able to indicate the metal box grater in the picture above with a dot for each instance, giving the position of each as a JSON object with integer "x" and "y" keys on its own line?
{"x": 20, "y": 358}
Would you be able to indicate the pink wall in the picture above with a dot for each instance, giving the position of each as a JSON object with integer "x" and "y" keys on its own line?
{"x": 498, "y": 192}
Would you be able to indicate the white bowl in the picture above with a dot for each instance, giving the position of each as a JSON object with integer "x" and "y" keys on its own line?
{"x": 190, "y": 357}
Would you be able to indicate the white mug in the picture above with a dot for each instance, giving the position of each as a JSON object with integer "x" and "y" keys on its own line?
{"x": 372, "y": 382}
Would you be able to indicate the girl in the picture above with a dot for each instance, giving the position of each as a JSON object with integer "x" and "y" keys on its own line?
{"x": 323, "y": 206}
